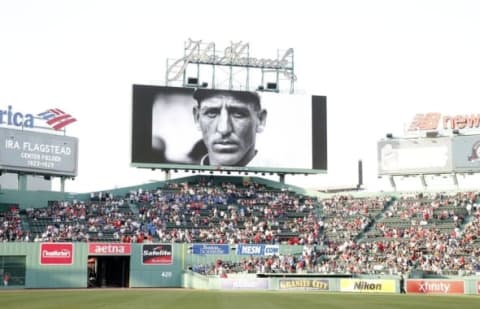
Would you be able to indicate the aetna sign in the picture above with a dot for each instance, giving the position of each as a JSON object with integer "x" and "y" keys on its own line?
{"x": 56, "y": 254}
{"x": 109, "y": 249}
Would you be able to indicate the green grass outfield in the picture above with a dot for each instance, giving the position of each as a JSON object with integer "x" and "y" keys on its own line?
{"x": 200, "y": 299}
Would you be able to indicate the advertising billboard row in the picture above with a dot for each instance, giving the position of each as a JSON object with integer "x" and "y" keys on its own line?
{"x": 211, "y": 129}
{"x": 460, "y": 153}
{"x": 62, "y": 253}
{"x": 38, "y": 153}
{"x": 241, "y": 249}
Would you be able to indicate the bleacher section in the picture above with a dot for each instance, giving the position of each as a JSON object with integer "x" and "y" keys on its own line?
{"x": 433, "y": 233}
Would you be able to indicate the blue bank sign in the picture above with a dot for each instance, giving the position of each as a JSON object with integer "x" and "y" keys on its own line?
{"x": 55, "y": 118}
{"x": 210, "y": 249}
{"x": 17, "y": 119}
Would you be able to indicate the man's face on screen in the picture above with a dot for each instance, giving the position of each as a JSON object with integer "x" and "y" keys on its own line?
{"x": 229, "y": 129}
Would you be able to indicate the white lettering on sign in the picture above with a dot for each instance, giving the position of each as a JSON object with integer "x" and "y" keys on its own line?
{"x": 56, "y": 253}
{"x": 435, "y": 287}
{"x": 46, "y": 148}
{"x": 251, "y": 250}
{"x": 109, "y": 249}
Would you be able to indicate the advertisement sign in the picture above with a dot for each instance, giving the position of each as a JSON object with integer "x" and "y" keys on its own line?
{"x": 54, "y": 118}
{"x": 367, "y": 286}
{"x": 157, "y": 254}
{"x": 101, "y": 248}
{"x": 304, "y": 284}
{"x": 185, "y": 128}
{"x": 210, "y": 249}
{"x": 436, "y": 121}
{"x": 260, "y": 250}
{"x": 56, "y": 254}
{"x": 244, "y": 284}
{"x": 435, "y": 286}
{"x": 466, "y": 153}
{"x": 414, "y": 156}
{"x": 38, "y": 152}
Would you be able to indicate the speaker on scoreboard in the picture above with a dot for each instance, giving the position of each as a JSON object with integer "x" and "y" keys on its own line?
{"x": 192, "y": 81}
{"x": 272, "y": 86}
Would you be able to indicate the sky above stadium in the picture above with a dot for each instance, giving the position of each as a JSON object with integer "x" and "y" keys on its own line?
{"x": 378, "y": 62}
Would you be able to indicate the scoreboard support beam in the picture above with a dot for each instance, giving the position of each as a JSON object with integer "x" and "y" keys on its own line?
{"x": 455, "y": 180}
{"x": 168, "y": 174}
{"x": 392, "y": 182}
{"x": 424, "y": 182}
{"x": 62, "y": 184}
{"x": 22, "y": 182}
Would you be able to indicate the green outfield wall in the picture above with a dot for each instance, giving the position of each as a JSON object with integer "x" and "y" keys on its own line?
{"x": 65, "y": 265}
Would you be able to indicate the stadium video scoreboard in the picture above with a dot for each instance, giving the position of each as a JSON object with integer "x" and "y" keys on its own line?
{"x": 165, "y": 135}
{"x": 38, "y": 153}
{"x": 439, "y": 155}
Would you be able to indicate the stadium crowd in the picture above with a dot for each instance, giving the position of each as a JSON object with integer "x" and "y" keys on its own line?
{"x": 435, "y": 233}
{"x": 11, "y": 227}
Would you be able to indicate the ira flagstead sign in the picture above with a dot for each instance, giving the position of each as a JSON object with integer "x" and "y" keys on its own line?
{"x": 37, "y": 152}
